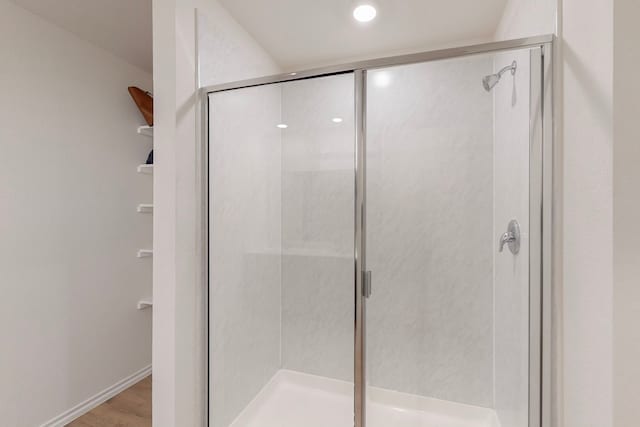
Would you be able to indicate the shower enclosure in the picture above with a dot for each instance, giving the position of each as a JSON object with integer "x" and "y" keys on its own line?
{"x": 378, "y": 242}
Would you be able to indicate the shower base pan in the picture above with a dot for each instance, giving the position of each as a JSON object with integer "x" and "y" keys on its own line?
{"x": 293, "y": 399}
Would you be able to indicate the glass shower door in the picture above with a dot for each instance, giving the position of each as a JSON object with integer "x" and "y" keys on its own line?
{"x": 447, "y": 171}
{"x": 376, "y": 245}
{"x": 281, "y": 173}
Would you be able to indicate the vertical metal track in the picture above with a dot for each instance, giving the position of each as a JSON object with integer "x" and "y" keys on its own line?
{"x": 360, "y": 250}
{"x": 541, "y": 235}
{"x": 548, "y": 232}
{"x": 204, "y": 243}
{"x": 535, "y": 233}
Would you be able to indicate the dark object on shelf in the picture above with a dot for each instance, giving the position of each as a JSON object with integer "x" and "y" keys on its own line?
{"x": 150, "y": 158}
{"x": 144, "y": 101}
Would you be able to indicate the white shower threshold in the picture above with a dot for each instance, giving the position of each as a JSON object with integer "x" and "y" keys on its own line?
{"x": 294, "y": 399}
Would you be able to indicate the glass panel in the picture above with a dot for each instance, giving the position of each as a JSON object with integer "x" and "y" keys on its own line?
{"x": 447, "y": 170}
{"x": 281, "y": 254}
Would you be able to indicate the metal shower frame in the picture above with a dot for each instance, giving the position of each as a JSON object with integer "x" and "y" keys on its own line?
{"x": 540, "y": 207}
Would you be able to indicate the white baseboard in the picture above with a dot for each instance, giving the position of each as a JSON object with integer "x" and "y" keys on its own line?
{"x": 81, "y": 409}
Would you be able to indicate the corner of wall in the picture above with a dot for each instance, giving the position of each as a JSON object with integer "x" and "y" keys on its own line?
{"x": 227, "y": 53}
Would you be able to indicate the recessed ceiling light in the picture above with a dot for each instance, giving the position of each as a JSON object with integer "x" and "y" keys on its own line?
{"x": 292, "y": 74}
{"x": 282, "y": 126}
{"x": 364, "y": 13}
{"x": 381, "y": 79}
{"x": 336, "y": 120}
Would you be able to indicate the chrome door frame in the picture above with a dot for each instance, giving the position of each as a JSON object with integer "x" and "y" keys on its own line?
{"x": 414, "y": 58}
{"x": 541, "y": 184}
{"x": 360, "y": 247}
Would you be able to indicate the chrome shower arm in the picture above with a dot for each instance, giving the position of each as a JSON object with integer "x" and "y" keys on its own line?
{"x": 513, "y": 67}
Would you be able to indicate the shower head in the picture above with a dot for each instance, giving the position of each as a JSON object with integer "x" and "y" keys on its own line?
{"x": 491, "y": 80}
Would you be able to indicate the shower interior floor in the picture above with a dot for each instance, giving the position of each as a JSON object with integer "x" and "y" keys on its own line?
{"x": 294, "y": 399}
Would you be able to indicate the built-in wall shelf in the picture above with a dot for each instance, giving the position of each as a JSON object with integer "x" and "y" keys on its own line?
{"x": 145, "y": 208}
{"x": 147, "y": 169}
{"x": 145, "y": 303}
{"x": 145, "y": 253}
{"x": 146, "y": 131}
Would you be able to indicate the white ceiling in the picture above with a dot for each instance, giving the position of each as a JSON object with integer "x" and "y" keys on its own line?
{"x": 302, "y": 33}
{"x": 122, "y": 27}
{"x": 297, "y": 33}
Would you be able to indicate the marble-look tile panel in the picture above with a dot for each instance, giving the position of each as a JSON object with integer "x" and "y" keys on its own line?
{"x": 511, "y": 306}
{"x": 245, "y": 261}
{"x": 318, "y": 156}
{"x": 317, "y": 315}
{"x": 430, "y": 230}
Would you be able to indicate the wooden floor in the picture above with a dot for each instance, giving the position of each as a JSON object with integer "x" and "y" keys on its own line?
{"x": 131, "y": 408}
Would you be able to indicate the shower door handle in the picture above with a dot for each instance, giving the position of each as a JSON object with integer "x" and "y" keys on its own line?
{"x": 511, "y": 238}
{"x": 366, "y": 284}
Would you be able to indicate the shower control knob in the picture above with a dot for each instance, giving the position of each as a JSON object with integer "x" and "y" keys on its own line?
{"x": 511, "y": 238}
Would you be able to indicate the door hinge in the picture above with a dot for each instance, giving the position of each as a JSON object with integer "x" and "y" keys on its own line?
{"x": 366, "y": 284}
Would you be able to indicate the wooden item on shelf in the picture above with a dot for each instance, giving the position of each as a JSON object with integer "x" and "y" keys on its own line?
{"x": 144, "y": 101}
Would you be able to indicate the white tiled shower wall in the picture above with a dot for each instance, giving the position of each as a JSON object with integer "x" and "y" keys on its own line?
{"x": 283, "y": 221}
{"x": 282, "y": 295}
{"x": 429, "y": 230}
{"x": 245, "y": 250}
{"x": 430, "y": 319}
{"x": 245, "y": 170}
{"x": 511, "y": 272}
{"x": 318, "y": 226}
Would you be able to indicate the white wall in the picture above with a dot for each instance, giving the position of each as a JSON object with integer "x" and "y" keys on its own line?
{"x": 583, "y": 277}
{"x": 226, "y": 52}
{"x": 626, "y": 210}
{"x": 526, "y": 18}
{"x": 178, "y": 341}
{"x": 587, "y": 270}
{"x": 164, "y": 219}
{"x": 70, "y": 231}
